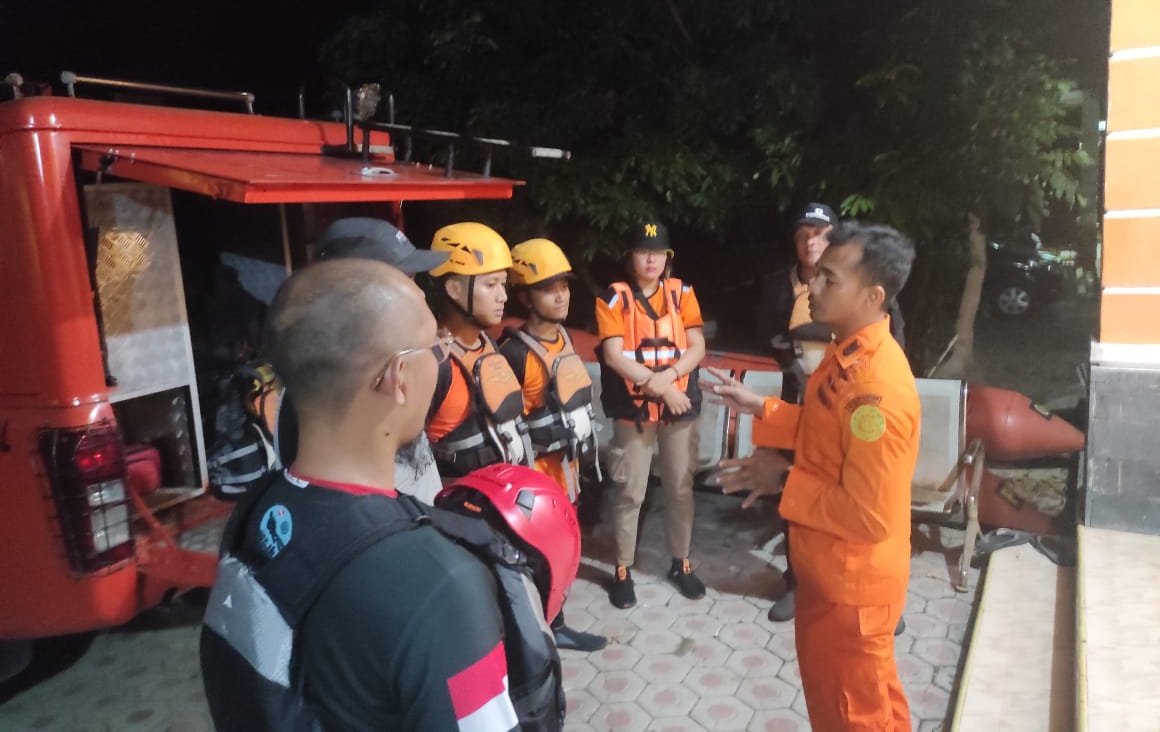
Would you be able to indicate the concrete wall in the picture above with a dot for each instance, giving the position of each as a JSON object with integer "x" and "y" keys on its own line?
{"x": 1123, "y": 487}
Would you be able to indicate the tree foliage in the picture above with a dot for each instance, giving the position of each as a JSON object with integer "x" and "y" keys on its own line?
{"x": 721, "y": 117}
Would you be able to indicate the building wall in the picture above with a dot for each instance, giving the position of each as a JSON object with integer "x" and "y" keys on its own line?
{"x": 1123, "y": 486}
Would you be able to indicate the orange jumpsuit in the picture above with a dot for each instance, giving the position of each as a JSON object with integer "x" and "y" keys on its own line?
{"x": 530, "y": 371}
{"x": 847, "y": 502}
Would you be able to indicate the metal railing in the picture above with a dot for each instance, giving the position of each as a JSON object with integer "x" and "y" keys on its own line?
{"x": 70, "y": 80}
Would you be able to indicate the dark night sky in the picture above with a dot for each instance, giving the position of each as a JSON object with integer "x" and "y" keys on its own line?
{"x": 268, "y": 47}
{"x": 250, "y": 45}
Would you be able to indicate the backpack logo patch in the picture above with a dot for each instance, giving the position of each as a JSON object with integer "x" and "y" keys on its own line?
{"x": 276, "y": 527}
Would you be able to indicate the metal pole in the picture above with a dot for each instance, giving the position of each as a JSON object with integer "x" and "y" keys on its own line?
{"x": 349, "y": 116}
{"x": 285, "y": 238}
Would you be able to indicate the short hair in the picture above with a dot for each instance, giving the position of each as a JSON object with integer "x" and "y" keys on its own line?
{"x": 325, "y": 329}
{"x": 887, "y": 255}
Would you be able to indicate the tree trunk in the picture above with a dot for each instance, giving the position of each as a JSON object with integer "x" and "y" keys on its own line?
{"x": 956, "y": 366}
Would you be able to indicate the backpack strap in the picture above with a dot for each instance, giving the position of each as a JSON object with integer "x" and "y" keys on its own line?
{"x": 533, "y": 344}
{"x": 299, "y": 574}
{"x": 442, "y": 388}
{"x": 476, "y": 534}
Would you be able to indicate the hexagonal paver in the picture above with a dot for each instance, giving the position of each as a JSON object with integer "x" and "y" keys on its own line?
{"x": 903, "y": 643}
{"x": 926, "y": 626}
{"x": 667, "y": 700}
{"x": 662, "y": 669}
{"x": 957, "y": 632}
{"x": 712, "y": 682}
{"x": 931, "y": 725}
{"x": 675, "y": 724}
{"x": 949, "y": 610}
{"x": 696, "y": 626}
{"x": 914, "y": 604}
{"x": 577, "y": 672}
{"x": 766, "y": 693}
{"x": 570, "y": 726}
{"x": 708, "y": 652}
{"x": 586, "y": 596}
{"x": 944, "y": 678}
{"x": 656, "y": 642}
{"x": 615, "y": 658}
{"x": 789, "y": 673}
{"x": 579, "y": 619}
{"x": 733, "y": 610}
{"x": 683, "y": 605}
{"x": 781, "y": 720}
{"x": 581, "y": 706}
{"x": 930, "y": 588}
{"x": 912, "y": 670}
{"x": 740, "y": 636}
{"x": 616, "y": 686}
{"x": 784, "y": 645}
{"x": 652, "y": 618}
{"x": 722, "y": 714}
{"x": 624, "y": 717}
{"x": 615, "y": 629}
{"x": 755, "y": 662}
{"x": 937, "y": 651}
{"x": 799, "y": 705}
{"x": 929, "y": 702}
{"x": 654, "y": 595}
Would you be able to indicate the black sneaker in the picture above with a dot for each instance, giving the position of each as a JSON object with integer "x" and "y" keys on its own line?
{"x": 623, "y": 593}
{"x": 901, "y": 627}
{"x": 682, "y": 576}
{"x": 576, "y": 640}
{"x": 782, "y": 610}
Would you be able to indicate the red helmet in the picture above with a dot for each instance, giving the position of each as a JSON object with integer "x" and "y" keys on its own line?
{"x": 534, "y": 510}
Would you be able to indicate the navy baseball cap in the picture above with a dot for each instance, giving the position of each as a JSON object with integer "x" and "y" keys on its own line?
{"x": 816, "y": 214}
{"x": 367, "y": 238}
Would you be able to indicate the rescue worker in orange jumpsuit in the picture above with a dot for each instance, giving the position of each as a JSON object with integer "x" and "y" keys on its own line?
{"x": 651, "y": 344}
{"x": 847, "y": 496}
{"x": 556, "y": 385}
{"x": 476, "y": 415}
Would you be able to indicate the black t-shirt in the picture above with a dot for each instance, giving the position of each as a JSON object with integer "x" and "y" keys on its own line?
{"x": 407, "y": 636}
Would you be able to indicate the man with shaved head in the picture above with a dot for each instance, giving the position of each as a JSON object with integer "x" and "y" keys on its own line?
{"x": 372, "y": 636}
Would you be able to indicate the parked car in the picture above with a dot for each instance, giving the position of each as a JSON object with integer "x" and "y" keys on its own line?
{"x": 1021, "y": 277}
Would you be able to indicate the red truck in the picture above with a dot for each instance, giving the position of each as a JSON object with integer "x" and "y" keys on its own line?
{"x": 111, "y": 213}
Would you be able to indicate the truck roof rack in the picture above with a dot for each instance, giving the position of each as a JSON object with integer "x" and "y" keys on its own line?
{"x": 70, "y": 80}
{"x": 368, "y": 97}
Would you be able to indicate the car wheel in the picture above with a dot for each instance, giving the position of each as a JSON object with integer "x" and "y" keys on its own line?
{"x": 1013, "y": 300}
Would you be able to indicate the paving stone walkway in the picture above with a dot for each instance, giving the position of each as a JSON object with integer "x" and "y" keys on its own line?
{"x": 673, "y": 664}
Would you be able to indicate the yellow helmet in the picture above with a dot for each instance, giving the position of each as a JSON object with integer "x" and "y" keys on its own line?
{"x": 475, "y": 249}
{"x": 537, "y": 260}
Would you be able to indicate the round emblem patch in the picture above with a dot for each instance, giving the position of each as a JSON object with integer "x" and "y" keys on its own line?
{"x": 276, "y": 528}
{"x": 867, "y": 423}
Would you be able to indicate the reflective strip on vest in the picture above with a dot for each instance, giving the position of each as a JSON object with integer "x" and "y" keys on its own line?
{"x": 653, "y": 354}
{"x": 240, "y": 611}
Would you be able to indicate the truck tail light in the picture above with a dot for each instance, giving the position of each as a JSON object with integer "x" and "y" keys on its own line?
{"x": 86, "y": 469}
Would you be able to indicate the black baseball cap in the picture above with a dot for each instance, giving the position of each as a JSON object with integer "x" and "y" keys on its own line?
{"x": 367, "y": 238}
{"x": 652, "y": 236}
{"x": 816, "y": 214}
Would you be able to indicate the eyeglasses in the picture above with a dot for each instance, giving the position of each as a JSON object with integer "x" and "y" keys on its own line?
{"x": 441, "y": 349}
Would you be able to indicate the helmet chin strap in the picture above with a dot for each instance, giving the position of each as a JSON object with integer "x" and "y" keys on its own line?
{"x": 545, "y": 318}
{"x": 468, "y": 312}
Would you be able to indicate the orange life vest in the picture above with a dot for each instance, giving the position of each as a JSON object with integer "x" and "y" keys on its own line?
{"x": 494, "y": 431}
{"x": 655, "y": 340}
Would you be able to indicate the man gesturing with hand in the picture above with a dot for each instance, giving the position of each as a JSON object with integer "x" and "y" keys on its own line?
{"x": 847, "y": 496}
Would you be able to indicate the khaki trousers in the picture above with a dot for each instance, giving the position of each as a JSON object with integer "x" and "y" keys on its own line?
{"x": 631, "y": 459}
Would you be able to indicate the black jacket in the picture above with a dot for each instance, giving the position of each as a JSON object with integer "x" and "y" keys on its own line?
{"x": 773, "y": 313}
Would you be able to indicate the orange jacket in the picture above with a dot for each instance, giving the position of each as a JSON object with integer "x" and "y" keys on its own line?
{"x": 847, "y": 497}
